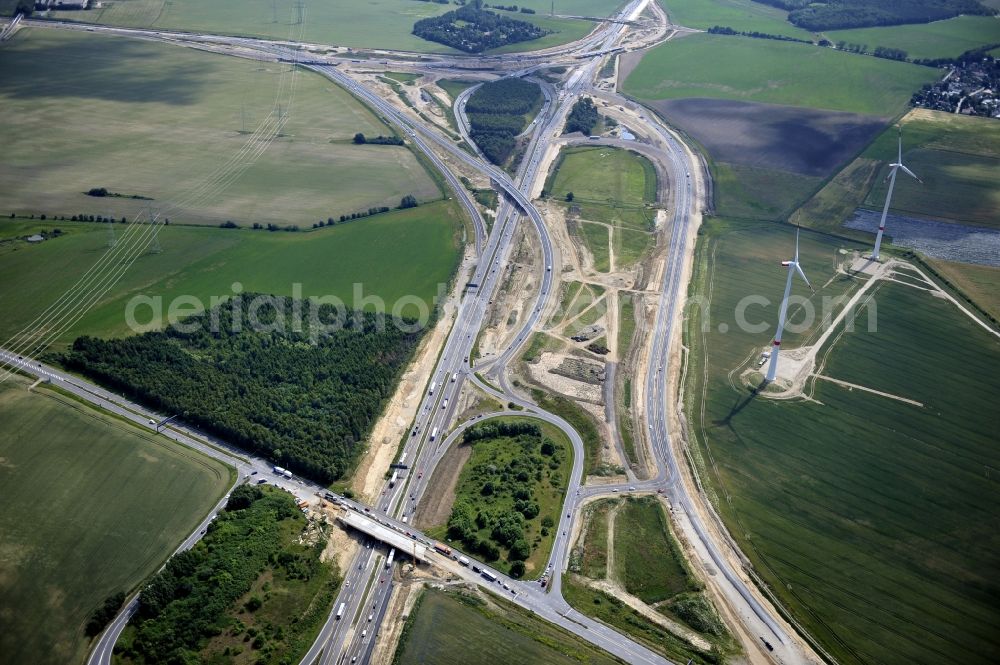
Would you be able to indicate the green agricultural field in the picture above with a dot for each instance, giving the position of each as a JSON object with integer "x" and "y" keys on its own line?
{"x": 449, "y": 627}
{"x": 939, "y": 39}
{"x": 509, "y": 495}
{"x": 753, "y": 192}
{"x": 648, "y": 560}
{"x": 387, "y": 24}
{"x": 92, "y": 506}
{"x": 170, "y": 124}
{"x": 740, "y": 15}
{"x": 421, "y": 245}
{"x": 763, "y": 70}
{"x": 872, "y": 519}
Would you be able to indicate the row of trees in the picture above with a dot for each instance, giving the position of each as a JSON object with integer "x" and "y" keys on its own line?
{"x": 475, "y": 30}
{"x": 583, "y": 117}
{"x": 361, "y": 139}
{"x": 305, "y": 399}
{"x": 726, "y": 30}
{"x": 842, "y": 14}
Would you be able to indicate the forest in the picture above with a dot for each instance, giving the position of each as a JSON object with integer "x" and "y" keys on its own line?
{"x": 498, "y": 111}
{"x": 842, "y": 14}
{"x": 302, "y": 386}
{"x": 475, "y": 30}
{"x": 192, "y": 599}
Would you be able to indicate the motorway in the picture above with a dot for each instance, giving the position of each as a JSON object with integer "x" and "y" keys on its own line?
{"x": 368, "y": 585}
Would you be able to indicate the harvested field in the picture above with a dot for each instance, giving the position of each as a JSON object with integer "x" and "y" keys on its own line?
{"x": 810, "y": 142}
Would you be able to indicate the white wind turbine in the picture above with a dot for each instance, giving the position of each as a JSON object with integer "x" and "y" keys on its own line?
{"x": 888, "y": 197}
{"x": 793, "y": 267}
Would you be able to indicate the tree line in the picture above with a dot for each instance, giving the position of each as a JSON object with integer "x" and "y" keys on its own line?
{"x": 306, "y": 406}
{"x": 843, "y": 14}
{"x": 361, "y": 139}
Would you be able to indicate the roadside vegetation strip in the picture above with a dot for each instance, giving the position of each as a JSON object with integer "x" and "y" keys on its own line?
{"x": 459, "y": 627}
{"x": 420, "y": 244}
{"x": 648, "y": 560}
{"x": 867, "y": 517}
{"x": 251, "y": 584}
{"x": 584, "y": 424}
{"x": 594, "y": 557}
{"x": 718, "y": 66}
{"x": 177, "y": 110}
{"x": 509, "y": 495}
{"x": 92, "y": 506}
{"x": 614, "y": 612}
{"x": 596, "y": 240}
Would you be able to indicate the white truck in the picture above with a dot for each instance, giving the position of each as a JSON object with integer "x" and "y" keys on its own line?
{"x": 395, "y": 477}
{"x": 463, "y": 560}
{"x": 433, "y": 386}
{"x": 434, "y": 433}
{"x": 282, "y": 472}
{"x": 454, "y": 377}
{"x": 340, "y": 611}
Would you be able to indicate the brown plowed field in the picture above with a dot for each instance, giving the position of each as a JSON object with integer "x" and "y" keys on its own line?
{"x": 800, "y": 140}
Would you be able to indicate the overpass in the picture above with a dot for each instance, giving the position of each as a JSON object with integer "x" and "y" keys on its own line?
{"x": 387, "y": 535}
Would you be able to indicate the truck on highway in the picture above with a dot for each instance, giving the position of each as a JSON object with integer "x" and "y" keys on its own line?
{"x": 282, "y": 472}
{"x": 454, "y": 377}
{"x": 488, "y": 575}
{"x": 443, "y": 549}
{"x": 434, "y": 433}
{"x": 433, "y": 386}
{"x": 340, "y": 611}
{"x": 388, "y": 559}
{"x": 463, "y": 560}
{"x": 395, "y": 477}
{"x": 444, "y": 404}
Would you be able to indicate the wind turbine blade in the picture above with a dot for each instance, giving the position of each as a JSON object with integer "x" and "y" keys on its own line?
{"x": 911, "y": 174}
{"x": 798, "y": 269}
{"x": 796, "y": 246}
{"x": 900, "y": 159}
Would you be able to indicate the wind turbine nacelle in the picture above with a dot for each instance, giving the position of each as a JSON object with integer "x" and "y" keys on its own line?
{"x": 786, "y": 263}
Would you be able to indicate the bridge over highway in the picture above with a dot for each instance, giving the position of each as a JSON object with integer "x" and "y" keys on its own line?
{"x": 387, "y": 535}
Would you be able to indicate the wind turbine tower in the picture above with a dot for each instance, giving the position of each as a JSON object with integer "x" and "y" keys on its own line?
{"x": 793, "y": 267}
{"x": 888, "y": 197}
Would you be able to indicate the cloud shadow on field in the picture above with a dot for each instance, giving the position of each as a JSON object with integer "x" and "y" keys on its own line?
{"x": 30, "y": 69}
{"x": 809, "y": 142}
